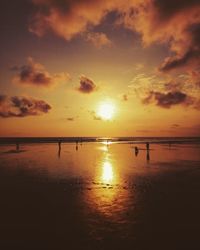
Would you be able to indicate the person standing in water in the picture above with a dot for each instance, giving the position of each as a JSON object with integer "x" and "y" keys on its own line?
{"x": 59, "y": 148}
{"x": 17, "y": 146}
{"x": 148, "y": 155}
{"x": 136, "y": 151}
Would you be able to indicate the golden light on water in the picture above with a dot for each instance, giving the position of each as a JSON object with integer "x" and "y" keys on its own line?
{"x": 107, "y": 173}
{"x": 106, "y": 110}
{"x": 107, "y": 198}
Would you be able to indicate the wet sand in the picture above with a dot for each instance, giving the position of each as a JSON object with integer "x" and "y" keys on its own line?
{"x": 100, "y": 197}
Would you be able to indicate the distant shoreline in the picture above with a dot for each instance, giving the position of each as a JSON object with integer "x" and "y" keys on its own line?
{"x": 131, "y": 140}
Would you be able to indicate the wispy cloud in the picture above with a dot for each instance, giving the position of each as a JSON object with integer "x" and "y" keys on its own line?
{"x": 98, "y": 39}
{"x": 94, "y": 115}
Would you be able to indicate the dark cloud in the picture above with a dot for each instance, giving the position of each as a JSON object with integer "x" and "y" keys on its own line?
{"x": 169, "y": 8}
{"x": 67, "y": 18}
{"x": 175, "y": 126}
{"x": 170, "y": 99}
{"x": 190, "y": 56}
{"x": 2, "y": 99}
{"x": 175, "y": 22}
{"x": 176, "y": 62}
{"x": 35, "y": 74}
{"x": 87, "y": 86}
{"x": 125, "y": 97}
{"x": 70, "y": 119}
{"x": 19, "y": 106}
{"x": 94, "y": 115}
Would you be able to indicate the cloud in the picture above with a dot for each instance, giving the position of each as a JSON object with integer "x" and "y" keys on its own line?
{"x": 19, "y": 106}
{"x": 190, "y": 55}
{"x": 98, "y": 39}
{"x": 175, "y": 126}
{"x": 68, "y": 18}
{"x": 70, "y": 119}
{"x": 170, "y": 99}
{"x": 125, "y": 97}
{"x": 35, "y": 74}
{"x": 139, "y": 66}
{"x": 186, "y": 82}
{"x": 87, "y": 86}
{"x": 176, "y": 23}
{"x": 94, "y": 115}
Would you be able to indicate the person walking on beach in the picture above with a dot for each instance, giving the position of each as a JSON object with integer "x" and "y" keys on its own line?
{"x": 147, "y": 146}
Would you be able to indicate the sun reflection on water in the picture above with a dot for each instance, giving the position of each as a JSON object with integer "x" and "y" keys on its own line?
{"x": 106, "y": 197}
{"x": 107, "y": 172}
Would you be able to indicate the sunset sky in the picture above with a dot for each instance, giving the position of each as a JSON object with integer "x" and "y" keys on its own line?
{"x": 100, "y": 68}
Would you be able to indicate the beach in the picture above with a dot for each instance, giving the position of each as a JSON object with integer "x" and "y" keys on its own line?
{"x": 100, "y": 195}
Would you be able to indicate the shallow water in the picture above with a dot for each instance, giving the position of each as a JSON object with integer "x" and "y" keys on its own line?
{"x": 99, "y": 196}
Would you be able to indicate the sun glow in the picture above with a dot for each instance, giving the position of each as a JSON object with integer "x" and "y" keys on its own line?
{"x": 106, "y": 111}
{"x": 107, "y": 175}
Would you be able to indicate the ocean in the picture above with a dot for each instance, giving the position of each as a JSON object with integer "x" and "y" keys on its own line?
{"x": 99, "y": 193}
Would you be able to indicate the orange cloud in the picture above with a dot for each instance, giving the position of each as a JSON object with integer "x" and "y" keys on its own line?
{"x": 35, "y": 74}
{"x": 176, "y": 23}
{"x": 68, "y": 18}
{"x": 98, "y": 39}
{"x": 19, "y": 106}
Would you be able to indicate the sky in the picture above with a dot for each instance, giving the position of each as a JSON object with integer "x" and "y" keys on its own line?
{"x": 100, "y": 68}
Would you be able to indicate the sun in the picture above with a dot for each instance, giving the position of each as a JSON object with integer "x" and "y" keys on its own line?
{"x": 106, "y": 111}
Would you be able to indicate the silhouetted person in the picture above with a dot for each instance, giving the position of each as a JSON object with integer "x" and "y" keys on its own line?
{"x": 17, "y": 146}
{"x": 148, "y": 156}
{"x": 59, "y": 152}
{"x": 59, "y": 144}
{"x": 136, "y": 151}
{"x": 147, "y": 146}
{"x": 59, "y": 148}
{"x": 76, "y": 145}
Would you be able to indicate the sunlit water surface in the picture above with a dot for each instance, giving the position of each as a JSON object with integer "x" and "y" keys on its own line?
{"x": 99, "y": 196}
